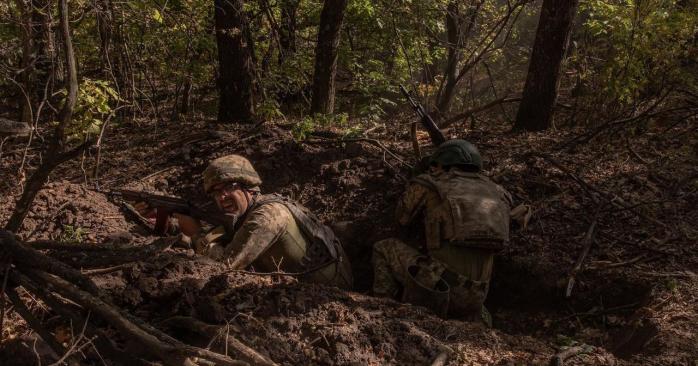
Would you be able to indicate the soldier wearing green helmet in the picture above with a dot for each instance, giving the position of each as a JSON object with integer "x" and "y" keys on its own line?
{"x": 465, "y": 220}
{"x": 270, "y": 233}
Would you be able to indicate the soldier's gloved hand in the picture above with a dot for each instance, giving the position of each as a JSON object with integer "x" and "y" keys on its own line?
{"x": 144, "y": 209}
{"x": 187, "y": 224}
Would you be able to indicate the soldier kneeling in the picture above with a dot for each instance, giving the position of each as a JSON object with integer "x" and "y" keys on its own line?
{"x": 466, "y": 221}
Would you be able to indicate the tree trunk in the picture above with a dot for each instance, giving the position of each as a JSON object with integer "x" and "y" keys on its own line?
{"x": 236, "y": 67}
{"x": 287, "y": 30}
{"x": 326, "y": 55}
{"x": 455, "y": 43}
{"x": 540, "y": 92}
{"x": 26, "y": 112}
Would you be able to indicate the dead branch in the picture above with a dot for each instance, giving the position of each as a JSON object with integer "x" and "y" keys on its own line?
{"x": 25, "y": 257}
{"x": 465, "y": 115}
{"x": 159, "y": 344}
{"x": 245, "y": 353}
{"x": 36, "y": 326}
{"x": 610, "y": 197}
{"x": 587, "y": 242}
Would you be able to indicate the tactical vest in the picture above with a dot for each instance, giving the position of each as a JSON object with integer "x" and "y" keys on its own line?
{"x": 323, "y": 260}
{"x": 475, "y": 209}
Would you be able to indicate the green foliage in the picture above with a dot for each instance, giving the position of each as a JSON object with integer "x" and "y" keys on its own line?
{"x": 306, "y": 126}
{"x": 72, "y": 234}
{"x": 641, "y": 45}
{"x": 269, "y": 110}
{"x": 95, "y": 100}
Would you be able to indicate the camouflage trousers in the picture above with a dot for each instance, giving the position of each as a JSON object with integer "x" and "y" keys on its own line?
{"x": 466, "y": 270}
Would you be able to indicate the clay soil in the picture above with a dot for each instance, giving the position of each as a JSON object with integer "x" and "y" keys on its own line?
{"x": 633, "y": 302}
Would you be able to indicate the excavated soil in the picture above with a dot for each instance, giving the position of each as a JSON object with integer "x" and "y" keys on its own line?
{"x": 634, "y": 301}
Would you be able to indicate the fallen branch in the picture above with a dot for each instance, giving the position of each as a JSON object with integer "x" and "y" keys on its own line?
{"x": 610, "y": 197}
{"x": 245, "y": 353}
{"x": 159, "y": 344}
{"x": 37, "y": 327}
{"x": 587, "y": 242}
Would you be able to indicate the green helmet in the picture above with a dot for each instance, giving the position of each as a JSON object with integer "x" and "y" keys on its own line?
{"x": 457, "y": 152}
{"x": 233, "y": 169}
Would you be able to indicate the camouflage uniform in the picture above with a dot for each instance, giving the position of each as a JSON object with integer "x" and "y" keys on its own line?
{"x": 269, "y": 239}
{"x": 465, "y": 220}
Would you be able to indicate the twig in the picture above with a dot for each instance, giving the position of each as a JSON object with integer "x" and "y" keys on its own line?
{"x": 610, "y": 197}
{"x": 4, "y": 287}
{"x": 74, "y": 347}
{"x": 594, "y": 312}
{"x": 35, "y": 324}
{"x": 588, "y": 241}
{"x": 101, "y": 271}
{"x": 371, "y": 141}
{"x": 156, "y": 173}
{"x": 560, "y": 358}
{"x": 470, "y": 112}
{"x": 245, "y": 353}
{"x": 634, "y": 153}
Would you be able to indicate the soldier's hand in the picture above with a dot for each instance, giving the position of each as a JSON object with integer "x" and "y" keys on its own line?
{"x": 187, "y": 224}
{"x": 144, "y": 209}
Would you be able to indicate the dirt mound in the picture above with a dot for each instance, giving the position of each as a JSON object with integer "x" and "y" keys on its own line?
{"x": 69, "y": 212}
{"x": 296, "y": 323}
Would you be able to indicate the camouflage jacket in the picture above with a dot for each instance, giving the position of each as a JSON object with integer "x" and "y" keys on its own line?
{"x": 270, "y": 240}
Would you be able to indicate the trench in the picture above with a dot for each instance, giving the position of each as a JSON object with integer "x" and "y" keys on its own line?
{"x": 527, "y": 298}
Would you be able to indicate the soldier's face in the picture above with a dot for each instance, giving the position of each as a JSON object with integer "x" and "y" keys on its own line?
{"x": 230, "y": 198}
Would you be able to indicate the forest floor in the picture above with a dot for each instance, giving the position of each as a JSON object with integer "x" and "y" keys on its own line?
{"x": 634, "y": 301}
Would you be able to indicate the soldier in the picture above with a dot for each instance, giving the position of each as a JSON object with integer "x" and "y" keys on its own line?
{"x": 271, "y": 233}
{"x": 466, "y": 221}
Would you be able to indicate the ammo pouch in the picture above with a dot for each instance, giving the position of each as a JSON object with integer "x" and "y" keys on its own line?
{"x": 425, "y": 287}
{"x": 466, "y": 296}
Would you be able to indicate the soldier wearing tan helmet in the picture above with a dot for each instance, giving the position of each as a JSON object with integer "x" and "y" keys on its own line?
{"x": 272, "y": 233}
{"x": 464, "y": 219}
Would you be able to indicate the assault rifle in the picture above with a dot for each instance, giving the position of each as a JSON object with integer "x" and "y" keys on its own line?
{"x": 167, "y": 205}
{"x": 436, "y": 136}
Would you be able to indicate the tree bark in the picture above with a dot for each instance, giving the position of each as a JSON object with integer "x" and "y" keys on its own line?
{"x": 540, "y": 92}
{"x": 236, "y": 66}
{"x": 326, "y": 55}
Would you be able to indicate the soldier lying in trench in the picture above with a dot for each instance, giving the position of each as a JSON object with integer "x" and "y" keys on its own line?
{"x": 270, "y": 232}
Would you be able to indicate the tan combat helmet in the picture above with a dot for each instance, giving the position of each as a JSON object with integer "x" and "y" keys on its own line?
{"x": 233, "y": 169}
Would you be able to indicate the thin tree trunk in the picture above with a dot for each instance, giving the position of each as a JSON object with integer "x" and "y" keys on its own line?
{"x": 235, "y": 63}
{"x": 455, "y": 43}
{"x": 540, "y": 92}
{"x": 326, "y": 55}
{"x": 287, "y": 29}
{"x": 27, "y": 75}
{"x": 55, "y": 154}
